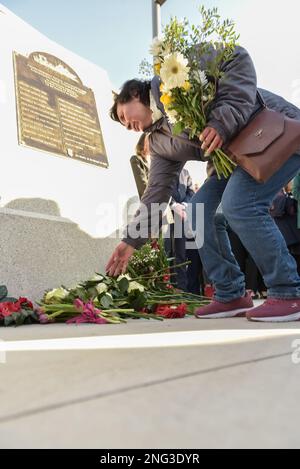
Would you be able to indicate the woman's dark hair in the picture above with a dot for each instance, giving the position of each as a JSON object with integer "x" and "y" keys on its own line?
{"x": 131, "y": 89}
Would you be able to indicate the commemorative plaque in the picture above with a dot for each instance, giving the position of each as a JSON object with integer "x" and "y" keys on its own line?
{"x": 56, "y": 113}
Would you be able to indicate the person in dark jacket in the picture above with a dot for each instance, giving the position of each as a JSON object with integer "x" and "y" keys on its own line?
{"x": 140, "y": 165}
{"x": 245, "y": 202}
{"x": 284, "y": 212}
{"x": 181, "y": 196}
{"x": 296, "y": 194}
{"x": 177, "y": 242}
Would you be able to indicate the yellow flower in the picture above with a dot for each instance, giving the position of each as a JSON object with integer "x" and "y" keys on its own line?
{"x": 186, "y": 86}
{"x": 157, "y": 68}
{"x": 172, "y": 116}
{"x": 166, "y": 99}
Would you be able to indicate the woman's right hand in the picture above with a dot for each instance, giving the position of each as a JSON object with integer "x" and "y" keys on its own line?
{"x": 119, "y": 259}
{"x": 211, "y": 140}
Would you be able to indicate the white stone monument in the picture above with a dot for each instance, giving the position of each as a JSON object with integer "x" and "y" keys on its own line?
{"x": 65, "y": 172}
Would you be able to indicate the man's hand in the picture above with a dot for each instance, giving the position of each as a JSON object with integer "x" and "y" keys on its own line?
{"x": 211, "y": 140}
{"x": 118, "y": 261}
{"x": 180, "y": 210}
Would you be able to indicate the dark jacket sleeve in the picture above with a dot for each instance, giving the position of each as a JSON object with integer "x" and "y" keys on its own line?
{"x": 140, "y": 175}
{"x": 236, "y": 95}
{"x": 163, "y": 176}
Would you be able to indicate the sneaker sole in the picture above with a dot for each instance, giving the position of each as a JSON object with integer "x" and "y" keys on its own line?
{"x": 288, "y": 318}
{"x": 227, "y": 314}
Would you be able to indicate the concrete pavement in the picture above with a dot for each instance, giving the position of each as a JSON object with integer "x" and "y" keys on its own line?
{"x": 184, "y": 383}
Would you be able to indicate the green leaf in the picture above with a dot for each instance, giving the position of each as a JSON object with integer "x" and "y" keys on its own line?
{"x": 92, "y": 292}
{"x": 8, "y": 299}
{"x": 8, "y": 320}
{"x": 123, "y": 285}
{"x": 195, "y": 102}
{"x": 106, "y": 301}
{"x": 138, "y": 302}
{"x": 20, "y": 319}
{"x": 178, "y": 128}
{"x": 3, "y": 291}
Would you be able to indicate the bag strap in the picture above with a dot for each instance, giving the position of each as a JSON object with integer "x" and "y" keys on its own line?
{"x": 261, "y": 99}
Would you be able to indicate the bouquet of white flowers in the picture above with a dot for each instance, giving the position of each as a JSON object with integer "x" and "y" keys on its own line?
{"x": 187, "y": 91}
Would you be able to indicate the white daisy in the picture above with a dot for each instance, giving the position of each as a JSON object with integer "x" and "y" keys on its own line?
{"x": 172, "y": 116}
{"x": 166, "y": 50}
{"x": 174, "y": 70}
{"x": 156, "y": 47}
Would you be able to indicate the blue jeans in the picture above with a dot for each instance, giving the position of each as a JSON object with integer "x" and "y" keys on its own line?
{"x": 245, "y": 204}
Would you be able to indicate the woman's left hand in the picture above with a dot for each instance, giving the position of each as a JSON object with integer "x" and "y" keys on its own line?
{"x": 211, "y": 140}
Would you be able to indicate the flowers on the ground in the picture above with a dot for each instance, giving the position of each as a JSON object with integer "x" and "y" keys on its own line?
{"x": 172, "y": 311}
{"x": 53, "y": 296}
{"x": 101, "y": 288}
{"x": 144, "y": 292}
{"x": 136, "y": 294}
{"x": 188, "y": 91}
{"x": 16, "y": 311}
{"x": 135, "y": 286}
{"x": 127, "y": 276}
{"x": 88, "y": 314}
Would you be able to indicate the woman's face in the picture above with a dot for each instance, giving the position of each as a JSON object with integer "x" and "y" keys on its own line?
{"x": 135, "y": 115}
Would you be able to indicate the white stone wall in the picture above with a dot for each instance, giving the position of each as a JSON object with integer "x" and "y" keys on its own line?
{"x": 79, "y": 189}
{"x": 56, "y": 213}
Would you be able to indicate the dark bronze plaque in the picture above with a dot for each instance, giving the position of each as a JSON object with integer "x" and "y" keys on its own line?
{"x": 56, "y": 112}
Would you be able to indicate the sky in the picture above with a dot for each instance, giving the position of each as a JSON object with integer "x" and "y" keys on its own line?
{"x": 116, "y": 34}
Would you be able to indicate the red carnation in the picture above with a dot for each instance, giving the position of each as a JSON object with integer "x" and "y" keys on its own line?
{"x": 24, "y": 301}
{"x": 171, "y": 311}
{"x": 155, "y": 245}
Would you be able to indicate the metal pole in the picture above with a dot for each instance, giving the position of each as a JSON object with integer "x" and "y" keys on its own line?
{"x": 156, "y": 19}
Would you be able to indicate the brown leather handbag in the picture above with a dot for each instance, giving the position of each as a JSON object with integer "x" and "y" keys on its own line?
{"x": 265, "y": 143}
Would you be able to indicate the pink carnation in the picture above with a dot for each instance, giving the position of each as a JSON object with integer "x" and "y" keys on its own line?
{"x": 89, "y": 314}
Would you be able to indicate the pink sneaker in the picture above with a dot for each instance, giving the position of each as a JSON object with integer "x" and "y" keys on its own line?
{"x": 216, "y": 309}
{"x": 276, "y": 310}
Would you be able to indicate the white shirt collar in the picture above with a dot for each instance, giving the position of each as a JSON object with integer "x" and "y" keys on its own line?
{"x": 156, "y": 113}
